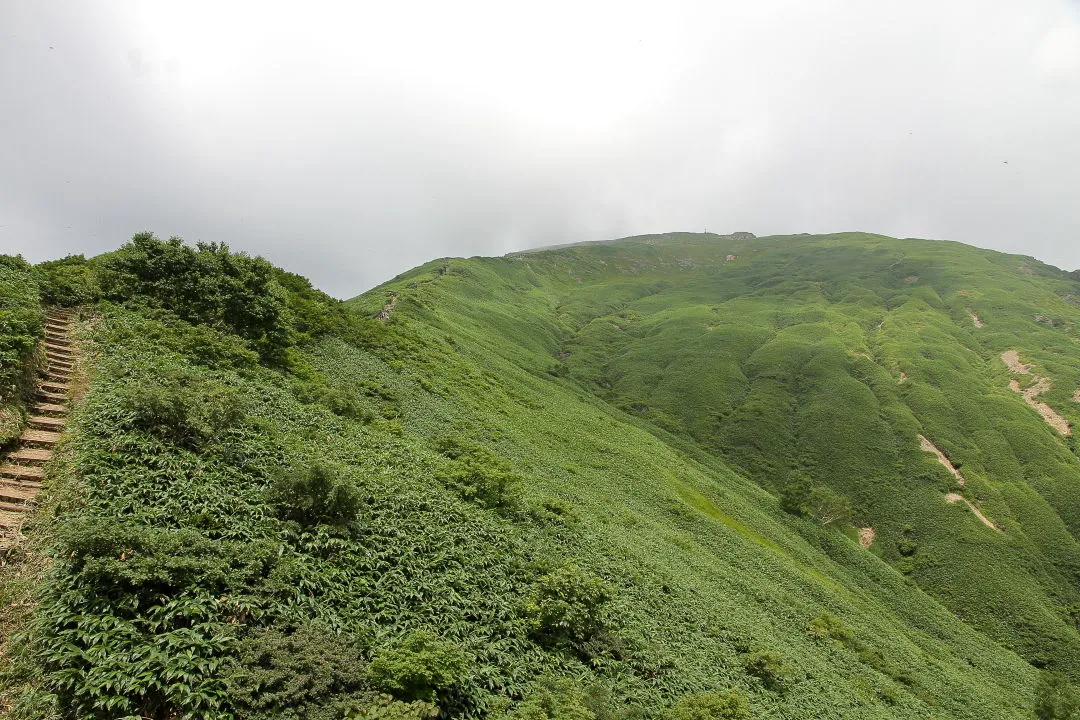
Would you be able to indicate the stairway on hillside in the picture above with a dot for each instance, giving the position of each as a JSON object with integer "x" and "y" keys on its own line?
{"x": 22, "y": 470}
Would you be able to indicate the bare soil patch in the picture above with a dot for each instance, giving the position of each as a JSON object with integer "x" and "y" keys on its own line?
{"x": 930, "y": 447}
{"x": 953, "y": 498}
{"x": 1042, "y": 384}
{"x": 388, "y": 308}
{"x": 975, "y": 319}
{"x": 866, "y": 536}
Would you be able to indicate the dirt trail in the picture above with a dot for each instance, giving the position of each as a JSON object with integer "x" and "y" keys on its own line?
{"x": 1011, "y": 358}
{"x": 866, "y": 536}
{"x": 388, "y": 308}
{"x": 975, "y": 319}
{"x": 22, "y": 471}
{"x": 953, "y": 498}
{"x": 930, "y": 447}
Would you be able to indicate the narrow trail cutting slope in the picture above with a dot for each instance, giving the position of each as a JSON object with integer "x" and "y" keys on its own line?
{"x": 22, "y": 471}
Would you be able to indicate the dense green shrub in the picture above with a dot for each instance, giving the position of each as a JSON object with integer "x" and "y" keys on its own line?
{"x": 727, "y": 705}
{"x": 68, "y": 282}
{"x": 206, "y": 284}
{"x": 311, "y": 673}
{"x": 1055, "y": 698}
{"x": 820, "y": 502}
{"x": 553, "y": 698}
{"x": 795, "y": 495}
{"x": 829, "y": 627}
{"x": 768, "y": 667}
{"x": 20, "y": 329}
{"x": 385, "y": 707}
{"x": 144, "y": 627}
{"x": 828, "y": 506}
{"x": 479, "y": 475}
{"x": 184, "y": 407}
{"x": 567, "y": 606}
{"x": 314, "y": 494}
{"x": 421, "y": 666}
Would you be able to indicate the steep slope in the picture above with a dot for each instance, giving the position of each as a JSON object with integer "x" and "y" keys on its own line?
{"x": 823, "y": 360}
{"x": 271, "y": 507}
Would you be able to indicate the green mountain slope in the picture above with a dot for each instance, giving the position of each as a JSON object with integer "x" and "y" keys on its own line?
{"x": 546, "y": 485}
{"x": 824, "y": 359}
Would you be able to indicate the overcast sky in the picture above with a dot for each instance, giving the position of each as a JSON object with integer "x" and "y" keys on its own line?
{"x": 352, "y": 141}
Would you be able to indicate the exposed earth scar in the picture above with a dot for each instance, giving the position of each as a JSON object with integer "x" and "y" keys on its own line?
{"x": 1011, "y": 358}
{"x": 930, "y": 447}
{"x": 388, "y": 308}
{"x": 953, "y": 498}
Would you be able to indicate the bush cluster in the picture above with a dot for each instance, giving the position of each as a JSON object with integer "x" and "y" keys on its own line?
{"x": 567, "y": 606}
{"x": 184, "y": 407}
{"x": 314, "y": 494}
{"x": 479, "y": 475}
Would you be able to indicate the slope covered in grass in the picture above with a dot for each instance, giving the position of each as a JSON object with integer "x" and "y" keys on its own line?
{"x": 445, "y": 512}
{"x": 819, "y": 360}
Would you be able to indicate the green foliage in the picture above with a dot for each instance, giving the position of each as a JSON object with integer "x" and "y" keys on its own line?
{"x": 478, "y": 475}
{"x": 768, "y": 667}
{"x": 829, "y": 627}
{"x": 725, "y": 705}
{"x": 553, "y": 698}
{"x": 827, "y": 506}
{"x": 207, "y": 284}
{"x": 800, "y": 497}
{"x": 384, "y": 707}
{"x": 316, "y": 493}
{"x": 1055, "y": 698}
{"x": 310, "y": 673}
{"x": 567, "y": 606}
{"x": 739, "y": 378}
{"x": 184, "y": 407}
{"x": 20, "y": 329}
{"x": 795, "y": 496}
{"x": 419, "y": 667}
{"x": 142, "y": 625}
{"x": 68, "y": 282}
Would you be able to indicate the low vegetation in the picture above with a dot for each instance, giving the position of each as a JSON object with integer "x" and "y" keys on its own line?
{"x": 21, "y": 320}
{"x": 504, "y": 500}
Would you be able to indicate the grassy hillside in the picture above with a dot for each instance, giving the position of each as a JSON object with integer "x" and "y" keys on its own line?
{"x": 821, "y": 360}
{"x": 501, "y": 502}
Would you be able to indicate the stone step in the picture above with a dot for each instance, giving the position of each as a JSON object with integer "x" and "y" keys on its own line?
{"x": 51, "y": 397}
{"x": 63, "y": 345}
{"x": 17, "y": 484}
{"x": 30, "y": 456}
{"x": 50, "y": 409}
{"x": 54, "y": 386}
{"x": 11, "y": 520}
{"x": 39, "y": 437}
{"x": 57, "y": 376}
{"x": 44, "y": 422}
{"x": 14, "y": 507}
{"x": 61, "y": 365}
{"x": 16, "y": 496}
